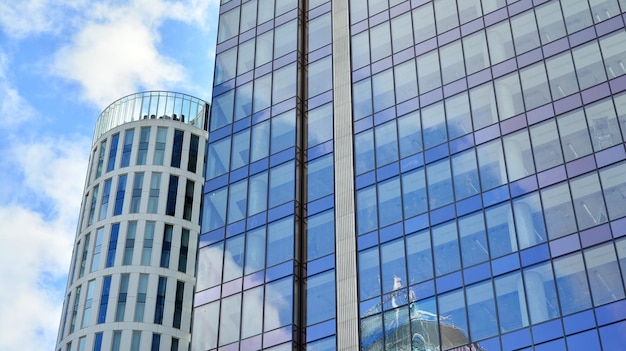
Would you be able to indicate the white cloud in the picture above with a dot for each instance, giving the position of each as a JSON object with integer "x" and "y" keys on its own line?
{"x": 36, "y": 245}
{"x": 116, "y": 50}
{"x": 28, "y": 17}
{"x": 14, "y": 109}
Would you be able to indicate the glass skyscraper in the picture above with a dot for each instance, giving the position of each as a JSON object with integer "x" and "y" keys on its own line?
{"x": 415, "y": 175}
{"x": 131, "y": 280}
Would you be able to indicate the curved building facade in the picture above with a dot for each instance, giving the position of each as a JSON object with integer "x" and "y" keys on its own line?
{"x": 130, "y": 284}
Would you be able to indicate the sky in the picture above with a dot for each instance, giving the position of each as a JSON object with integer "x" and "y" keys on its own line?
{"x": 61, "y": 63}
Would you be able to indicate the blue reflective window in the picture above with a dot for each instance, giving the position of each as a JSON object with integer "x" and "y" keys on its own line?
{"x": 540, "y": 293}
{"x": 119, "y": 195}
{"x": 439, "y": 183}
{"x": 280, "y": 241}
{"x": 320, "y": 234}
{"x": 367, "y": 218}
{"x": 115, "y": 229}
{"x": 473, "y": 238}
{"x": 529, "y": 220}
{"x": 500, "y": 230}
{"x": 320, "y": 181}
{"x": 465, "y": 174}
{"x": 214, "y": 209}
{"x": 584, "y": 341}
{"x": 113, "y": 152}
{"x": 144, "y": 142}
{"x": 481, "y": 310}
{"x": 320, "y": 77}
{"x": 278, "y": 309}
{"x": 283, "y": 131}
{"x": 386, "y": 137}
{"x": 128, "y": 146}
{"x": 453, "y": 306}
{"x": 104, "y": 299}
{"x": 369, "y": 274}
{"x": 418, "y": 249}
{"x": 511, "y": 300}
{"x": 282, "y": 184}
{"x": 446, "y": 248}
{"x": 320, "y": 297}
{"x": 103, "y": 147}
{"x": 362, "y": 99}
{"x": 97, "y": 343}
{"x": 104, "y": 203}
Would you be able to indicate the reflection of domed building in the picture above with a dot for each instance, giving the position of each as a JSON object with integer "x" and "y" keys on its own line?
{"x": 130, "y": 286}
{"x": 408, "y": 328}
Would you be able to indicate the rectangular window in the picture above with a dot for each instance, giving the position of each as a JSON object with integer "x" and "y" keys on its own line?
{"x": 167, "y": 246}
{"x": 172, "y": 194}
{"x": 83, "y": 261}
{"x": 95, "y": 260}
{"x": 159, "y": 148}
{"x": 148, "y": 238}
{"x": 121, "y": 298}
{"x": 104, "y": 299}
{"x": 156, "y": 342}
{"x": 88, "y": 302}
{"x": 119, "y": 195}
{"x": 144, "y": 141}
{"x": 130, "y": 243}
{"x": 155, "y": 188}
{"x": 177, "y": 148}
{"x": 128, "y": 146}
{"x": 117, "y": 340}
{"x": 104, "y": 204}
{"x": 193, "y": 154}
{"x": 113, "y": 152}
{"x": 160, "y": 301}
{"x": 92, "y": 209}
{"x": 135, "y": 342}
{"x": 115, "y": 230}
{"x": 184, "y": 251}
{"x": 75, "y": 264}
{"x": 174, "y": 344}
{"x": 64, "y": 318}
{"x": 188, "y": 207}
{"x": 135, "y": 201}
{"x": 75, "y": 309}
{"x": 140, "y": 306}
{"x": 81, "y": 344}
{"x": 103, "y": 147}
{"x": 178, "y": 304}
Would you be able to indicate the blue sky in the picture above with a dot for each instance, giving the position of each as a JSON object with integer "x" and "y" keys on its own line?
{"x": 61, "y": 63}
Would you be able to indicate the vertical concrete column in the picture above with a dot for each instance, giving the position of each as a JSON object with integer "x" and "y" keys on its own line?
{"x": 345, "y": 237}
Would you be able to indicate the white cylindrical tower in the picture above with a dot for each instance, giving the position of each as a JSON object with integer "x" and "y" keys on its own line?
{"x": 131, "y": 280}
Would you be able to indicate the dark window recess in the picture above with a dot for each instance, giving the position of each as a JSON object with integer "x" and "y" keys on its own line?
{"x": 178, "y": 304}
{"x": 160, "y": 301}
{"x": 188, "y": 207}
{"x": 193, "y": 153}
{"x": 172, "y": 192}
{"x": 177, "y": 148}
{"x": 167, "y": 246}
{"x": 184, "y": 249}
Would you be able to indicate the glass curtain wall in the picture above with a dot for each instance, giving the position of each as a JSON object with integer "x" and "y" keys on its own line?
{"x": 268, "y": 209}
{"x": 489, "y": 144}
